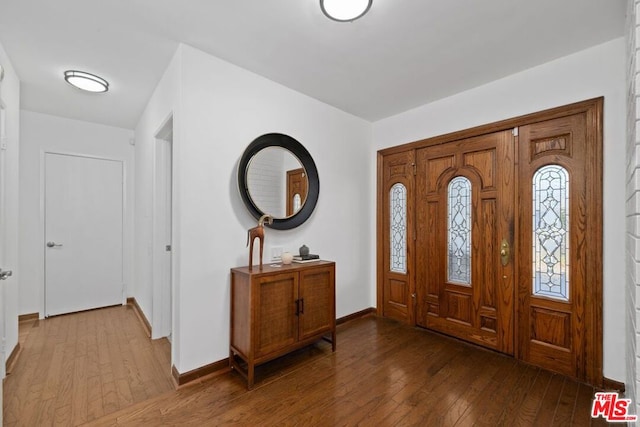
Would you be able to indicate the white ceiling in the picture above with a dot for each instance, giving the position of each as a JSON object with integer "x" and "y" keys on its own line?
{"x": 402, "y": 54}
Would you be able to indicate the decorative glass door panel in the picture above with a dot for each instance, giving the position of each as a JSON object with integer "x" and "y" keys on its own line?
{"x": 459, "y": 226}
{"x": 398, "y": 232}
{"x": 551, "y": 232}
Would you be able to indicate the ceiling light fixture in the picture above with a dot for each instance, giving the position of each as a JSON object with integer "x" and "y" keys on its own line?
{"x": 86, "y": 81}
{"x": 345, "y": 10}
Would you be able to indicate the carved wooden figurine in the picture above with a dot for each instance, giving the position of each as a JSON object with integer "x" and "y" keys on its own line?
{"x": 257, "y": 232}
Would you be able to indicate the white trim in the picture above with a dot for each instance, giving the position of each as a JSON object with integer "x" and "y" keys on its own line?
{"x": 163, "y": 124}
{"x": 3, "y": 242}
{"x": 159, "y": 326}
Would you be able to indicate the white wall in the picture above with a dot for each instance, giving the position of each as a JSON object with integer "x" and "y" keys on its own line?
{"x": 10, "y": 97}
{"x": 163, "y": 104}
{"x": 222, "y": 109}
{"x": 598, "y": 71}
{"x": 43, "y": 132}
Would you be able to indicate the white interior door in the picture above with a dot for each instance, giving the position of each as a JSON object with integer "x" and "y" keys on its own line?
{"x": 83, "y": 233}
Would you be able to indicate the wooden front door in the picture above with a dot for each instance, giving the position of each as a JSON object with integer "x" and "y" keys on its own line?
{"x": 297, "y": 188}
{"x": 503, "y": 237}
{"x": 559, "y": 241}
{"x": 464, "y": 219}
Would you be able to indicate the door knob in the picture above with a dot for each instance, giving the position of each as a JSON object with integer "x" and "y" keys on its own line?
{"x": 5, "y": 274}
{"x": 53, "y": 244}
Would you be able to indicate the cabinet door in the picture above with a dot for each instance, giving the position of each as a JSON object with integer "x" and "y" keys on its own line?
{"x": 275, "y": 323}
{"x": 317, "y": 301}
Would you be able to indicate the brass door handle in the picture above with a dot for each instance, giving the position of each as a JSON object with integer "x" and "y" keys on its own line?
{"x": 504, "y": 252}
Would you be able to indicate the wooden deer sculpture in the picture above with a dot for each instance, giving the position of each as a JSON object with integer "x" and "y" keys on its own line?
{"x": 257, "y": 232}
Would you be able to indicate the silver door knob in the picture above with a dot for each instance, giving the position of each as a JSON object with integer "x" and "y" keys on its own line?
{"x": 52, "y": 244}
{"x": 5, "y": 274}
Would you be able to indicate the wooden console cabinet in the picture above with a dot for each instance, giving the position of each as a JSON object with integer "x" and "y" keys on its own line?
{"x": 275, "y": 310}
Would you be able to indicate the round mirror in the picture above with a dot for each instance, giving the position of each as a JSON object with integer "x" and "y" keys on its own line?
{"x": 277, "y": 176}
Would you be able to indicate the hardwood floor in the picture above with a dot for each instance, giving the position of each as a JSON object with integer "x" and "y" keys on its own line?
{"x": 79, "y": 367}
{"x": 383, "y": 373}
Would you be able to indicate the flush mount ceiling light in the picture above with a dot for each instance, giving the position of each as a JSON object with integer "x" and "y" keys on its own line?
{"x": 345, "y": 10}
{"x": 86, "y": 81}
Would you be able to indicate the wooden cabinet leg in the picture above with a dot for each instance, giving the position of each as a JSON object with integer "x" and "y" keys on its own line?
{"x": 250, "y": 375}
{"x": 333, "y": 340}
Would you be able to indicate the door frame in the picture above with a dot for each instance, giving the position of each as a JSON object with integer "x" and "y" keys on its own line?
{"x": 161, "y": 320}
{"x": 3, "y": 245}
{"x": 593, "y": 108}
{"x": 42, "y": 219}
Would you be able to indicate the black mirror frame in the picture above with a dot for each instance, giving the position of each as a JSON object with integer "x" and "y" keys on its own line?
{"x": 298, "y": 150}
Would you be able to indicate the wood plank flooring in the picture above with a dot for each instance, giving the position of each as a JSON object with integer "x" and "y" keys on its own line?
{"x": 79, "y": 367}
{"x": 100, "y": 369}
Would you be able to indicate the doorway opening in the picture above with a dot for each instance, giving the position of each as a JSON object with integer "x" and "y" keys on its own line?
{"x": 162, "y": 233}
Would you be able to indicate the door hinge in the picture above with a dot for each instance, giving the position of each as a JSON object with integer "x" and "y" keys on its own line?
{"x": 514, "y": 131}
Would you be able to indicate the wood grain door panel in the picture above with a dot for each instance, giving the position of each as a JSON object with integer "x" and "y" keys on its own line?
{"x": 317, "y": 312}
{"x": 482, "y": 311}
{"x": 277, "y": 326}
{"x": 397, "y": 285}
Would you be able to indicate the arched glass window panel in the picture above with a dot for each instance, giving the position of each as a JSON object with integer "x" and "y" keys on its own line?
{"x": 551, "y": 232}
{"x": 297, "y": 202}
{"x": 398, "y": 224}
{"x": 459, "y": 231}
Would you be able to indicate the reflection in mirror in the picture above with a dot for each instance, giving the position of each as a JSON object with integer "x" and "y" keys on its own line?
{"x": 276, "y": 182}
{"x": 297, "y": 189}
{"x": 297, "y": 202}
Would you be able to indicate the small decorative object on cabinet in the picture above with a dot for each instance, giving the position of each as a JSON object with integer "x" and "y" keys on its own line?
{"x": 286, "y": 258}
{"x": 257, "y": 232}
{"x": 278, "y": 310}
{"x": 304, "y": 250}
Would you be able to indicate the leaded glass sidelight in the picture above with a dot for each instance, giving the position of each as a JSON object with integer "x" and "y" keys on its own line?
{"x": 551, "y": 232}
{"x": 297, "y": 202}
{"x": 398, "y": 209}
{"x": 459, "y": 226}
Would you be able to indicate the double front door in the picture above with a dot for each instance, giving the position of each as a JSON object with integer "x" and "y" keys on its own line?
{"x": 494, "y": 238}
